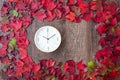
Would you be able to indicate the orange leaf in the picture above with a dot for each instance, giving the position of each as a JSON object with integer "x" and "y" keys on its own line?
{"x": 71, "y": 16}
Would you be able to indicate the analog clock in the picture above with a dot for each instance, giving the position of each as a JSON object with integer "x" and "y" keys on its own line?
{"x": 47, "y": 39}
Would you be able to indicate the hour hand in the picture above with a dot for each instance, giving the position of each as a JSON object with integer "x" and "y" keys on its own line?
{"x": 44, "y": 37}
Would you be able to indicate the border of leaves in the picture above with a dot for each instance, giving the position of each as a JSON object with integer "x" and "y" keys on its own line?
{"x": 18, "y": 15}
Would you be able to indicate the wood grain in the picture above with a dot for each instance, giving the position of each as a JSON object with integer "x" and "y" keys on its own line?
{"x": 79, "y": 41}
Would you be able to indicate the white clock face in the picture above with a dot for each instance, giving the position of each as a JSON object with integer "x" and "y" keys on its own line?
{"x": 47, "y": 39}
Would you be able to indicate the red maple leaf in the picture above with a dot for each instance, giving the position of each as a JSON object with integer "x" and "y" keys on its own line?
{"x": 100, "y": 17}
{"x": 78, "y": 19}
{"x": 4, "y": 28}
{"x": 114, "y": 59}
{"x": 27, "y": 68}
{"x": 109, "y": 10}
{"x": 4, "y": 40}
{"x": 41, "y": 15}
{"x": 117, "y": 48}
{"x": 4, "y": 9}
{"x": 26, "y": 21}
{"x": 83, "y": 7}
{"x": 71, "y": 16}
{"x": 63, "y": 78}
{"x": 20, "y": 5}
{"x": 113, "y": 21}
{"x": 16, "y": 24}
{"x": 117, "y": 31}
{"x": 101, "y": 29}
{"x": 58, "y": 72}
{"x": 51, "y": 70}
{"x": 118, "y": 17}
{"x": 13, "y": 0}
{"x": 88, "y": 16}
{"x": 79, "y": 1}
{"x": 18, "y": 72}
{"x": 65, "y": 10}
{"x": 112, "y": 7}
{"x": 50, "y": 63}
{"x": 28, "y": 2}
{"x": 93, "y": 5}
{"x": 36, "y": 68}
{"x": 22, "y": 41}
{"x": 10, "y": 72}
{"x": 28, "y": 60}
{"x": 20, "y": 33}
{"x": 34, "y": 6}
{"x": 102, "y": 42}
{"x": 23, "y": 53}
{"x": 19, "y": 63}
{"x": 3, "y": 50}
{"x": 5, "y": 60}
{"x": 61, "y": 1}
{"x": 49, "y": 4}
{"x": 113, "y": 74}
{"x": 115, "y": 41}
{"x": 71, "y": 2}
{"x": 103, "y": 53}
{"x": 69, "y": 67}
{"x": 58, "y": 13}
{"x": 105, "y": 62}
{"x": 81, "y": 66}
{"x": 50, "y": 16}
{"x": 43, "y": 63}
{"x": 96, "y": 5}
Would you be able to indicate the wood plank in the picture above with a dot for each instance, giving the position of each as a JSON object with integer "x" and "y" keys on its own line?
{"x": 78, "y": 41}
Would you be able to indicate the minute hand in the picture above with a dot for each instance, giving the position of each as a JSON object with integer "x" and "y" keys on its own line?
{"x": 51, "y": 36}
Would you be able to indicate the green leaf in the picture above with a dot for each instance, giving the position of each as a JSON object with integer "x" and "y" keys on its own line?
{"x": 15, "y": 13}
{"x": 91, "y": 64}
{"x": 53, "y": 78}
{"x": 6, "y": 64}
{"x": 12, "y": 43}
{"x": 4, "y": 17}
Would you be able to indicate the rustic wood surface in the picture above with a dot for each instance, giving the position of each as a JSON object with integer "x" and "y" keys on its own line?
{"x": 79, "y": 41}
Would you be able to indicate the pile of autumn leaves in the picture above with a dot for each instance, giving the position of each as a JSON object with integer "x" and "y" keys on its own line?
{"x": 17, "y": 15}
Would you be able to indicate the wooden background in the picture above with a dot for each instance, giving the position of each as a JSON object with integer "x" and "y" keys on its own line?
{"x": 79, "y": 40}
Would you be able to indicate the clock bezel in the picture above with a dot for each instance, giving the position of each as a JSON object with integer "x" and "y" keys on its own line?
{"x": 35, "y": 39}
